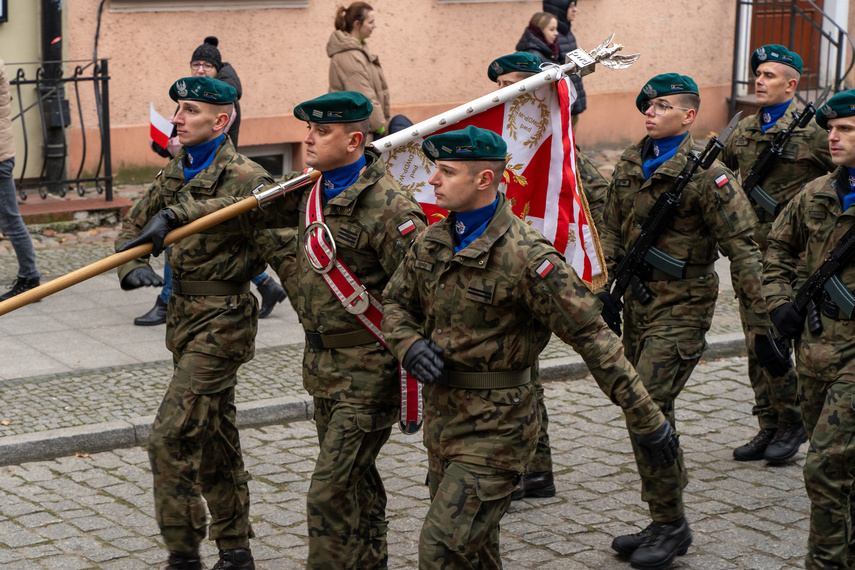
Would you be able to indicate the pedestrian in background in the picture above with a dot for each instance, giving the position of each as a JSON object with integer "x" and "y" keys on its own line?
{"x": 541, "y": 38}
{"x": 353, "y": 67}
{"x": 11, "y": 223}
{"x": 566, "y": 11}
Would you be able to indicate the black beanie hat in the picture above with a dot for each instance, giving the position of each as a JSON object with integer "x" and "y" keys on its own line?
{"x": 208, "y": 52}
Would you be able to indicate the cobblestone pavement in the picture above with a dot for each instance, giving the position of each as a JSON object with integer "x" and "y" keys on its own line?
{"x": 96, "y": 511}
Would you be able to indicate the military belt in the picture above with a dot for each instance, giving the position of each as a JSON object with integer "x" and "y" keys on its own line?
{"x": 488, "y": 380}
{"x": 209, "y": 288}
{"x": 341, "y": 340}
{"x": 693, "y": 271}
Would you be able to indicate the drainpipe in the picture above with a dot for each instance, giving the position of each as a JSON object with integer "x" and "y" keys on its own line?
{"x": 57, "y": 114}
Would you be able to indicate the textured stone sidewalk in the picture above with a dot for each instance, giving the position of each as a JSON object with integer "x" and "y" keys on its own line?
{"x": 96, "y": 511}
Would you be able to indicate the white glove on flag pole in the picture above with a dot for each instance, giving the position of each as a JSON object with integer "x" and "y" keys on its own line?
{"x": 533, "y": 117}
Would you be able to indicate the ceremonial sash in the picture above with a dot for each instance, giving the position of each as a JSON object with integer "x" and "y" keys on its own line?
{"x": 320, "y": 250}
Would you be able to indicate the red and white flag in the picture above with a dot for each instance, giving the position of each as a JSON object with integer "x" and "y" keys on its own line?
{"x": 161, "y": 127}
{"x": 540, "y": 178}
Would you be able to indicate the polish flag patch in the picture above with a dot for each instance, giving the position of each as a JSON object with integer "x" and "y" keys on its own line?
{"x": 406, "y": 227}
{"x": 544, "y": 268}
{"x": 721, "y": 180}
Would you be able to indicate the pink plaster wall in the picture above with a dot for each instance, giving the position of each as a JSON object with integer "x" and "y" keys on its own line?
{"x": 434, "y": 56}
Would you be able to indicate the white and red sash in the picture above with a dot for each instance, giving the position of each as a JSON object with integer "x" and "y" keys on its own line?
{"x": 320, "y": 250}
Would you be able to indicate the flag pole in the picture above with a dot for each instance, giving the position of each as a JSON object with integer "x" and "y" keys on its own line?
{"x": 578, "y": 61}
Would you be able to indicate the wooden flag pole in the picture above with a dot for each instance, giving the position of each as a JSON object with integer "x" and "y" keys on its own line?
{"x": 117, "y": 259}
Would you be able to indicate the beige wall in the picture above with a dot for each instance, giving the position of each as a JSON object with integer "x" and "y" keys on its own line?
{"x": 434, "y": 56}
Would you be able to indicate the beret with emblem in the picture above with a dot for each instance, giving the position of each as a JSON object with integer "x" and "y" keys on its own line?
{"x": 666, "y": 84}
{"x": 841, "y": 105}
{"x": 778, "y": 53}
{"x": 337, "y": 107}
{"x": 470, "y": 143}
{"x": 519, "y": 61}
{"x": 204, "y": 89}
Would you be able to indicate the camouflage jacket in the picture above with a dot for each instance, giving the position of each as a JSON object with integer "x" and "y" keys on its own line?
{"x": 364, "y": 220}
{"x": 594, "y": 186}
{"x": 811, "y": 225}
{"x": 712, "y": 215}
{"x": 219, "y": 325}
{"x": 492, "y": 307}
{"x": 804, "y": 157}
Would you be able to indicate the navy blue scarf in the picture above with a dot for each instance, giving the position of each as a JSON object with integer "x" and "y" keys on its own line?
{"x": 341, "y": 178}
{"x": 663, "y": 149}
{"x": 201, "y": 156}
{"x": 770, "y": 115}
{"x": 849, "y": 199}
{"x": 469, "y": 226}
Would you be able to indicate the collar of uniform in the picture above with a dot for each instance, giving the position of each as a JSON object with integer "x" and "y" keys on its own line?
{"x": 671, "y": 167}
{"x": 208, "y": 177}
{"x": 838, "y": 176}
{"x": 756, "y": 123}
{"x": 502, "y": 220}
{"x": 374, "y": 171}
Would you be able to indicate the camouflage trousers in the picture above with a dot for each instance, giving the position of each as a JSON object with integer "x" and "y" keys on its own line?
{"x": 774, "y": 398}
{"x": 346, "y": 503}
{"x": 194, "y": 450}
{"x": 829, "y": 470}
{"x": 664, "y": 358}
{"x": 543, "y": 455}
{"x": 467, "y": 501}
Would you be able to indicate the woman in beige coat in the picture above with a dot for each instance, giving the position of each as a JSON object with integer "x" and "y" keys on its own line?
{"x": 353, "y": 67}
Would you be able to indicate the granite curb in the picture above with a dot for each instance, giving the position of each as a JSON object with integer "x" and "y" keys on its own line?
{"x": 107, "y": 436}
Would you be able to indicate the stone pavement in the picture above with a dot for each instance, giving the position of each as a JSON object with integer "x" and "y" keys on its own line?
{"x": 96, "y": 511}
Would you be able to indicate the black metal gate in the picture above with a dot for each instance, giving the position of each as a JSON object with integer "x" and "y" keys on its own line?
{"x": 53, "y": 112}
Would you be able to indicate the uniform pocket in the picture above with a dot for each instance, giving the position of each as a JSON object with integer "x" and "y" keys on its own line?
{"x": 491, "y": 488}
{"x": 690, "y": 349}
{"x": 206, "y": 382}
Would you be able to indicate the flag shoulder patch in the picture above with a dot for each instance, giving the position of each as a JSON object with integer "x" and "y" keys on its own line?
{"x": 722, "y": 180}
{"x": 545, "y": 268}
{"x": 407, "y": 227}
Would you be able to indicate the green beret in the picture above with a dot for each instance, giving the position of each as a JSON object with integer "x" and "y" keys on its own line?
{"x": 519, "y": 61}
{"x": 775, "y": 52}
{"x": 841, "y": 105}
{"x": 204, "y": 89}
{"x": 337, "y": 107}
{"x": 471, "y": 143}
{"x": 666, "y": 84}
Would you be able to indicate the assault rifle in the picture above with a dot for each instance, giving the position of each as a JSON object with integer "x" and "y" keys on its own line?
{"x": 770, "y": 155}
{"x": 642, "y": 251}
{"x": 811, "y": 295}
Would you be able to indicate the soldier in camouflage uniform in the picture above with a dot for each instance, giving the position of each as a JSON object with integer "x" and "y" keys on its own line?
{"x": 664, "y": 339}
{"x": 351, "y": 376}
{"x": 468, "y": 311}
{"x": 539, "y": 480}
{"x": 805, "y": 157}
{"x": 211, "y": 323}
{"x": 810, "y": 226}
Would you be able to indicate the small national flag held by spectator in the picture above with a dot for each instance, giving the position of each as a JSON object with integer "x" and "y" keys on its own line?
{"x": 161, "y": 127}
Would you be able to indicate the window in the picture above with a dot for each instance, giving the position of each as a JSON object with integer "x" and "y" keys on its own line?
{"x": 201, "y": 5}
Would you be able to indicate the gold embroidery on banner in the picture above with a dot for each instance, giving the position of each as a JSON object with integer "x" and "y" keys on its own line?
{"x": 528, "y": 123}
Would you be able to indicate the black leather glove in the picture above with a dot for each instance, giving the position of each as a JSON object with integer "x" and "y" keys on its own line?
{"x": 424, "y": 362}
{"x": 611, "y": 313}
{"x": 660, "y": 447}
{"x": 154, "y": 231}
{"x": 766, "y": 357}
{"x": 141, "y": 277}
{"x": 787, "y": 320}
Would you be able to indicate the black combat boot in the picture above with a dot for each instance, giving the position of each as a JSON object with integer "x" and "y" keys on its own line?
{"x": 177, "y": 562}
{"x": 156, "y": 316}
{"x": 271, "y": 293}
{"x": 537, "y": 485}
{"x": 786, "y": 442}
{"x": 19, "y": 286}
{"x": 626, "y": 544}
{"x": 754, "y": 449}
{"x": 663, "y": 543}
{"x": 235, "y": 558}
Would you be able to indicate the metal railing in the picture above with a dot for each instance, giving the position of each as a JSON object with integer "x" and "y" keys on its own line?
{"x": 54, "y": 112}
{"x": 821, "y": 42}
